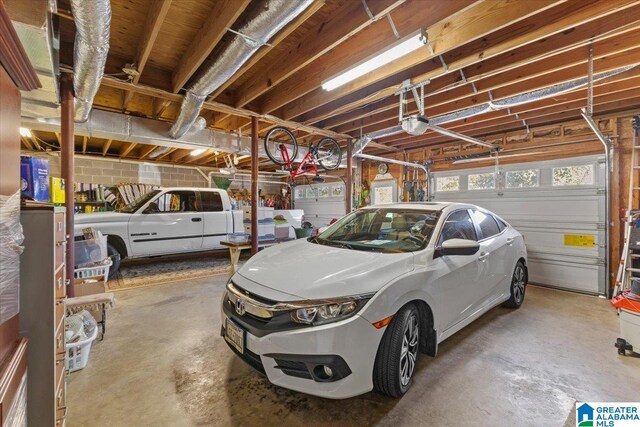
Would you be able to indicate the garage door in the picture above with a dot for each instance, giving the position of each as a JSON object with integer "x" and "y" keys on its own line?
{"x": 557, "y": 205}
{"x": 321, "y": 202}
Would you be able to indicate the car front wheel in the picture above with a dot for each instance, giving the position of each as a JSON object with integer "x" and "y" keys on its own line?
{"x": 518, "y": 286}
{"x": 396, "y": 358}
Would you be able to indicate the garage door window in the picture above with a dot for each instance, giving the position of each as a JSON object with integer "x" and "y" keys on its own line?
{"x": 522, "y": 179}
{"x": 211, "y": 201}
{"x": 482, "y": 181}
{"x": 488, "y": 225}
{"x": 448, "y": 183}
{"x": 458, "y": 225}
{"x": 573, "y": 175}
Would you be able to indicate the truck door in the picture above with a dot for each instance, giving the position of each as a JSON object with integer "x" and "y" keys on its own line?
{"x": 171, "y": 223}
{"x": 217, "y": 221}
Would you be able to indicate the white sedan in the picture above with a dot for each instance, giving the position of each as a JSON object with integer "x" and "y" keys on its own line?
{"x": 350, "y": 310}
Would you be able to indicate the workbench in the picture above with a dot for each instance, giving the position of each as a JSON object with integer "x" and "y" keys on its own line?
{"x": 235, "y": 248}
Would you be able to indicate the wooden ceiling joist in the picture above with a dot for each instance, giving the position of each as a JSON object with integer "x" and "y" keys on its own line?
{"x": 85, "y": 141}
{"x": 126, "y": 148}
{"x": 157, "y": 12}
{"x": 223, "y": 14}
{"x": 146, "y": 150}
{"x": 350, "y": 20}
{"x": 106, "y": 146}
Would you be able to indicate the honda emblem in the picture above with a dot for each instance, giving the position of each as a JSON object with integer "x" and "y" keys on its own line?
{"x": 240, "y": 307}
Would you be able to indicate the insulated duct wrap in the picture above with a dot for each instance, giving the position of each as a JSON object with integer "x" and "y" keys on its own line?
{"x": 11, "y": 239}
{"x": 505, "y": 103}
{"x": 270, "y": 17}
{"x": 93, "y": 22}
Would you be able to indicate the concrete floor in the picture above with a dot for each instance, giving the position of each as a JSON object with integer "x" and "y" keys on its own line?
{"x": 163, "y": 363}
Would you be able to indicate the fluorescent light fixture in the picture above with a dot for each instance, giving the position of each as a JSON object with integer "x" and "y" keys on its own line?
{"x": 198, "y": 151}
{"x": 25, "y": 132}
{"x": 398, "y": 50}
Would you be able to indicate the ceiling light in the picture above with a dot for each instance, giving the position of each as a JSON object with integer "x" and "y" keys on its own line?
{"x": 198, "y": 151}
{"x": 398, "y": 50}
{"x": 25, "y": 132}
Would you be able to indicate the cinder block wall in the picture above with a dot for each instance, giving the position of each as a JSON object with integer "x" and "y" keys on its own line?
{"x": 97, "y": 171}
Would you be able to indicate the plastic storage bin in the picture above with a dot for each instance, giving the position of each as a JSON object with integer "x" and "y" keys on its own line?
{"x": 78, "y": 352}
{"x": 90, "y": 251}
{"x": 237, "y": 237}
{"x": 99, "y": 272}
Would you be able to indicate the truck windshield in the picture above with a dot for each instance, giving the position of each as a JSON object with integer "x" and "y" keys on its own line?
{"x": 381, "y": 230}
{"x": 137, "y": 203}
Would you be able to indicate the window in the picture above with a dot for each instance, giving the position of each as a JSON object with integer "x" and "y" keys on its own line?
{"x": 458, "y": 225}
{"x": 211, "y": 201}
{"x": 522, "y": 179}
{"x": 573, "y": 175}
{"x": 487, "y": 223}
{"x": 448, "y": 183}
{"x": 175, "y": 201}
{"x": 501, "y": 224}
{"x": 482, "y": 181}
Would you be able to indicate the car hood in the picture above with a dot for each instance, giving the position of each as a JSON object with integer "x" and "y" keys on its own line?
{"x": 307, "y": 270}
{"x": 100, "y": 217}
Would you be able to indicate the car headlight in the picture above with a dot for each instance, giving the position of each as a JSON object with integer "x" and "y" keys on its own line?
{"x": 327, "y": 311}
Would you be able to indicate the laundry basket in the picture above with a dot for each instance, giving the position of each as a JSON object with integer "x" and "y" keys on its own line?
{"x": 96, "y": 272}
{"x": 78, "y": 352}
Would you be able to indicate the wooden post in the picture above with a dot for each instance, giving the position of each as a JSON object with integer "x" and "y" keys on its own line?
{"x": 66, "y": 160}
{"x": 349, "y": 178}
{"x": 254, "y": 185}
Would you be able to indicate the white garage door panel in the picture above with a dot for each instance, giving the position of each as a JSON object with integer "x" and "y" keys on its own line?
{"x": 318, "y": 210}
{"x": 544, "y": 214}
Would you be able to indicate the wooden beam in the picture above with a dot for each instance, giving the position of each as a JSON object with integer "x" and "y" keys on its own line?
{"x": 146, "y": 150}
{"x": 126, "y": 148}
{"x": 106, "y": 146}
{"x": 217, "y": 106}
{"x": 223, "y": 14}
{"x": 472, "y": 23}
{"x": 35, "y": 143}
{"x": 353, "y": 108}
{"x": 85, "y": 140}
{"x": 159, "y": 106}
{"x": 283, "y": 34}
{"x": 179, "y": 155}
{"x": 57, "y": 134}
{"x": 327, "y": 35}
{"x": 157, "y": 11}
{"x": 26, "y": 143}
{"x": 171, "y": 150}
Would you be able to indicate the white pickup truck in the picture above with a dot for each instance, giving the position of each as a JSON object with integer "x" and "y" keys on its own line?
{"x": 167, "y": 221}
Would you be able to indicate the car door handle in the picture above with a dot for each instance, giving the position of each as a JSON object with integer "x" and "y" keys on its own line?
{"x": 510, "y": 241}
{"x": 483, "y": 256}
{"x": 196, "y": 219}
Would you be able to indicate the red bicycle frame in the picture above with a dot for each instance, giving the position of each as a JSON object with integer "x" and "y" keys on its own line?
{"x": 306, "y": 167}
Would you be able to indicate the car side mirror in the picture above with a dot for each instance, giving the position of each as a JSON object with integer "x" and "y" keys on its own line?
{"x": 457, "y": 247}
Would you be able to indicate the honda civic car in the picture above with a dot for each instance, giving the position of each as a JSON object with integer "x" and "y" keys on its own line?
{"x": 351, "y": 309}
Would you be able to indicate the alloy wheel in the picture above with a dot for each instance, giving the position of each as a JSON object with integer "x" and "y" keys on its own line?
{"x": 518, "y": 283}
{"x": 409, "y": 352}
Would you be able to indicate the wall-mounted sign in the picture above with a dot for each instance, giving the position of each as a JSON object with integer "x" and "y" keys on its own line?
{"x": 580, "y": 240}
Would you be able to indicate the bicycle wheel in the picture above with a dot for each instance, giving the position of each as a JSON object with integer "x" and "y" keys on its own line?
{"x": 279, "y": 141}
{"x": 329, "y": 154}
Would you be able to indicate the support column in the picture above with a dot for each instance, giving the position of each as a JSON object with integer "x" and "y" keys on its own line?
{"x": 349, "y": 178}
{"x": 254, "y": 185}
{"x": 66, "y": 160}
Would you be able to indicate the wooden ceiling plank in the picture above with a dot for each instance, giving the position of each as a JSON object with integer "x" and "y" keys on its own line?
{"x": 331, "y": 116}
{"x": 216, "y": 106}
{"x": 179, "y": 154}
{"x": 328, "y": 35}
{"x": 26, "y": 143}
{"x": 106, "y": 146}
{"x": 126, "y": 148}
{"x": 146, "y": 150}
{"x": 223, "y": 14}
{"x": 85, "y": 141}
{"x": 157, "y": 12}
{"x": 467, "y": 25}
{"x": 286, "y": 31}
{"x": 563, "y": 18}
{"x": 170, "y": 151}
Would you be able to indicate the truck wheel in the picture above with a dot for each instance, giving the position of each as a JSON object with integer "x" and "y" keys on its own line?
{"x": 115, "y": 259}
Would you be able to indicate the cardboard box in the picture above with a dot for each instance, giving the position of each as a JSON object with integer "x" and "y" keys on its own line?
{"x": 34, "y": 178}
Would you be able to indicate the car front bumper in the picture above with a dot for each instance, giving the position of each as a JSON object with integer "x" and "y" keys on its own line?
{"x": 288, "y": 358}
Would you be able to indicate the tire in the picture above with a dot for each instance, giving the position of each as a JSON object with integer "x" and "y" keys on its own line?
{"x": 518, "y": 286}
{"x": 389, "y": 376}
{"x": 274, "y": 139}
{"x": 115, "y": 259}
{"x": 330, "y": 146}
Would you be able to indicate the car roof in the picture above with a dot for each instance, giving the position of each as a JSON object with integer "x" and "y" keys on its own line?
{"x": 438, "y": 206}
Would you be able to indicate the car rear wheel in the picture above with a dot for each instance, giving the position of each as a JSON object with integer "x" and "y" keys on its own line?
{"x": 518, "y": 286}
{"x": 398, "y": 352}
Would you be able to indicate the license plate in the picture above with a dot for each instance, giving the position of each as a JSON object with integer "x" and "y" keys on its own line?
{"x": 234, "y": 335}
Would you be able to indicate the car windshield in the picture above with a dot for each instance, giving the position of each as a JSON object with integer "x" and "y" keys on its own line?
{"x": 382, "y": 230}
{"x": 137, "y": 203}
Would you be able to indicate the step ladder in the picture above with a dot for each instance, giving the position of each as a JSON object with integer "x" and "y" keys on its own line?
{"x": 626, "y": 271}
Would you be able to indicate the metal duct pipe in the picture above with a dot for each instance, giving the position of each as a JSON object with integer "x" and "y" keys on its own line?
{"x": 93, "y": 22}
{"x": 512, "y": 101}
{"x": 269, "y": 19}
